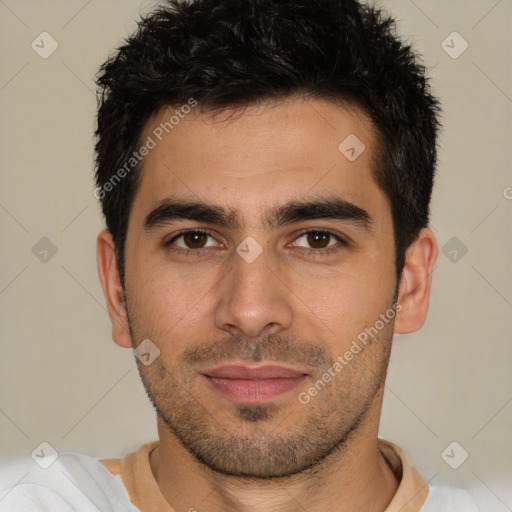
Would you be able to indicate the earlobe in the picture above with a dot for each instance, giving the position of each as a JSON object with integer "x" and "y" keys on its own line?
{"x": 112, "y": 288}
{"x": 415, "y": 282}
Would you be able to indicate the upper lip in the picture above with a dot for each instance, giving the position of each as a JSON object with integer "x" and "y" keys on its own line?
{"x": 267, "y": 371}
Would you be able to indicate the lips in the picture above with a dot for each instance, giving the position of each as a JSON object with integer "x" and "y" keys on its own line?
{"x": 248, "y": 384}
{"x": 248, "y": 373}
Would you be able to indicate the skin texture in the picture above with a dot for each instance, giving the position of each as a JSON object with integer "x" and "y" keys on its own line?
{"x": 292, "y": 306}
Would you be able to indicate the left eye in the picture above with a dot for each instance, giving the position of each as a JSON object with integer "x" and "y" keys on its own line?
{"x": 317, "y": 239}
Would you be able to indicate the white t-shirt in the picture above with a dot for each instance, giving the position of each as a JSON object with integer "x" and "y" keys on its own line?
{"x": 448, "y": 499}
{"x": 75, "y": 482}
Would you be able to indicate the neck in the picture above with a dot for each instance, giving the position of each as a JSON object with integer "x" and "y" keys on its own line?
{"x": 354, "y": 477}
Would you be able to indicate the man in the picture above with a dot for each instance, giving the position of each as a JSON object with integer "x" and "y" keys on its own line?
{"x": 265, "y": 170}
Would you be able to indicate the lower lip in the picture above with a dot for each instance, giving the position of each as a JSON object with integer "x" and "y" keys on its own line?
{"x": 254, "y": 390}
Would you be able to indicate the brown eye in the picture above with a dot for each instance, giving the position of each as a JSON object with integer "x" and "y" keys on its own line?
{"x": 318, "y": 239}
{"x": 195, "y": 240}
{"x": 320, "y": 242}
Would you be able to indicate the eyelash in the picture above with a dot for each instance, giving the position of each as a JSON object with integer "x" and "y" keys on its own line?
{"x": 186, "y": 252}
{"x": 309, "y": 252}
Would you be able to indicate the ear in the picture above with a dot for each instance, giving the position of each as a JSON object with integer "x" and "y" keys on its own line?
{"x": 415, "y": 282}
{"x": 112, "y": 289}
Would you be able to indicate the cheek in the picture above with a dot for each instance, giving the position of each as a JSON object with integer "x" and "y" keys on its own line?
{"x": 168, "y": 299}
{"x": 343, "y": 302}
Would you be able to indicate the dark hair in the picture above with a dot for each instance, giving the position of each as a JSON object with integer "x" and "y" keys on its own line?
{"x": 225, "y": 53}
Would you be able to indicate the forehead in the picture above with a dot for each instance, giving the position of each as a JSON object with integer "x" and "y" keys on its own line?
{"x": 257, "y": 157}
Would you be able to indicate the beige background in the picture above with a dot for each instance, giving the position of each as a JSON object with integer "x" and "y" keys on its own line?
{"x": 65, "y": 382}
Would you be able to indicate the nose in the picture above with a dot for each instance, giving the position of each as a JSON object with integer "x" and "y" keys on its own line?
{"x": 253, "y": 299}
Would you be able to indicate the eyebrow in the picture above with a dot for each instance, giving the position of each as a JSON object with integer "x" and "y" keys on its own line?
{"x": 335, "y": 208}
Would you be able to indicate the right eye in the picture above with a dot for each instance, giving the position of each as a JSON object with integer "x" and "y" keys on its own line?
{"x": 192, "y": 239}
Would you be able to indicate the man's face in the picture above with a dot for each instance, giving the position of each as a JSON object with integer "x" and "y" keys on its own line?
{"x": 265, "y": 282}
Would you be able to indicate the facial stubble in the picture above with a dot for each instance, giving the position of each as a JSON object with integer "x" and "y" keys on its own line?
{"x": 265, "y": 441}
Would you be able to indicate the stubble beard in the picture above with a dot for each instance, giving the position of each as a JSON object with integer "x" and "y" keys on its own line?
{"x": 263, "y": 441}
